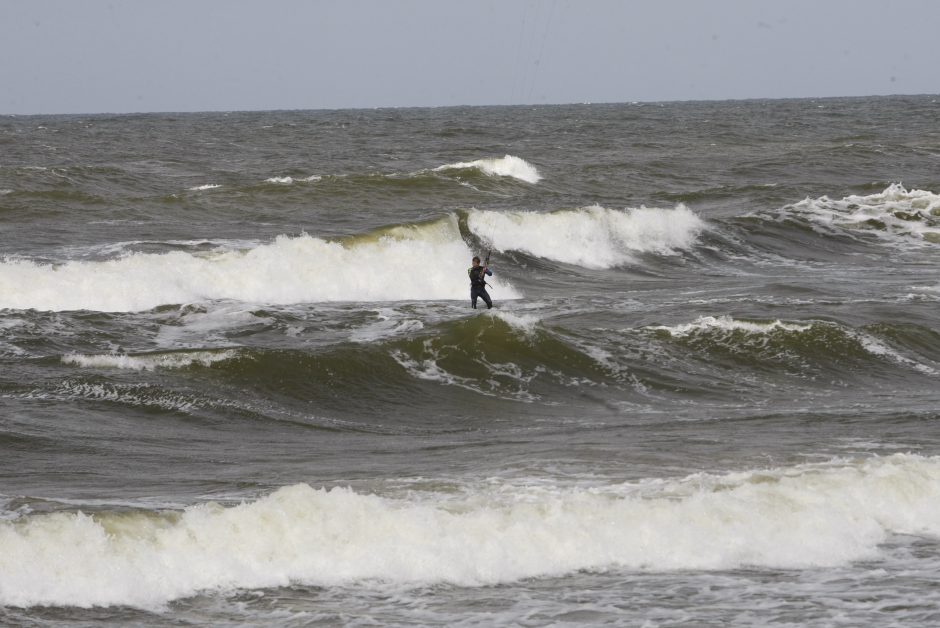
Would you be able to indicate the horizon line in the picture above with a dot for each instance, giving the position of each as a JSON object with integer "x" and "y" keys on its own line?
{"x": 461, "y": 106}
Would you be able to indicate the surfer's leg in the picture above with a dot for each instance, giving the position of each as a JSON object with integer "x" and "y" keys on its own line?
{"x": 486, "y": 297}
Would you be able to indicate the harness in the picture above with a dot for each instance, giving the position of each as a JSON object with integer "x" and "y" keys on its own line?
{"x": 477, "y": 278}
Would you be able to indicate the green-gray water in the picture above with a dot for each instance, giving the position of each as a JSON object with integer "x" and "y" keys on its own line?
{"x": 240, "y": 380}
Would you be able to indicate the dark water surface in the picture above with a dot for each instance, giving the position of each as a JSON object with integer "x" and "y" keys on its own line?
{"x": 240, "y": 380}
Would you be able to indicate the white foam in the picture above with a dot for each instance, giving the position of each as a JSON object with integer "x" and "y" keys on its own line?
{"x": 201, "y": 326}
{"x": 282, "y": 180}
{"x": 207, "y": 186}
{"x": 10, "y": 323}
{"x": 421, "y": 262}
{"x": 797, "y": 517}
{"x": 508, "y": 166}
{"x": 9, "y": 349}
{"x": 390, "y": 323}
{"x": 896, "y": 213}
{"x": 526, "y": 323}
{"x": 123, "y": 394}
{"x": 728, "y": 324}
{"x": 878, "y": 348}
{"x": 5, "y": 191}
{"x": 428, "y": 369}
{"x": 593, "y": 237}
{"x": 149, "y": 362}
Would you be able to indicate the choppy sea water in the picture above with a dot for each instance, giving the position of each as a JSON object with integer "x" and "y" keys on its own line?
{"x": 241, "y": 383}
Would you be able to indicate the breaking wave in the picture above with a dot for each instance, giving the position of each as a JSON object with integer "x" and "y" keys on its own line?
{"x": 410, "y": 262}
{"x": 508, "y": 166}
{"x": 895, "y": 213}
{"x": 813, "y": 515}
{"x": 593, "y": 237}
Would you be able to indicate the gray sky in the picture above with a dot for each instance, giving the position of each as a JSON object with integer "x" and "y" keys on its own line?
{"x": 71, "y": 56}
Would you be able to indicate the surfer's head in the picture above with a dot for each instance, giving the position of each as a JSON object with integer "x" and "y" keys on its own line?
{"x": 476, "y": 261}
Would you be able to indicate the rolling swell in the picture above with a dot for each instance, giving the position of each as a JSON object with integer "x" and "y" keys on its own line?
{"x": 415, "y": 371}
{"x": 503, "y": 356}
{"x": 812, "y": 350}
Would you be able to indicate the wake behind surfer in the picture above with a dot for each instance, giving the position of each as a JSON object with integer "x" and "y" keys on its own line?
{"x": 478, "y": 283}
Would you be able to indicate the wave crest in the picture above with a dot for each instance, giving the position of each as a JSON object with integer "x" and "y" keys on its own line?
{"x": 895, "y": 214}
{"x": 593, "y": 237}
{"x": 508, "y": 166}
{"x": 793, "y": 517}
{"x": 760, "y": 343}
{"x": 408, "y": 262}
{"x": 150, "y": 361}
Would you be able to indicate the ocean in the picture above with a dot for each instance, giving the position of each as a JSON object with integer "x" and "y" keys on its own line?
{"x": 241, "y": 382}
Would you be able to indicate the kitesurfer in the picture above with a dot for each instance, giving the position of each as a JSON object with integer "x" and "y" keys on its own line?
{"x": 478, "y": 283}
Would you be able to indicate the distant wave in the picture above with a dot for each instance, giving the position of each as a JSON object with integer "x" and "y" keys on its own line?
{"x": 593, "y": 237}
{"x": 811, "y": 515}
{"x": 896, "y": 214}
{"x": 408, "y": 262}
{"x": 442, "y": 177}
{"x": 287, "y": 180}
{"x": 508, "y": 166}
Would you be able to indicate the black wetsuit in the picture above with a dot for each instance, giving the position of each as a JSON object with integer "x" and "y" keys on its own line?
{"x": 478, "y": 286}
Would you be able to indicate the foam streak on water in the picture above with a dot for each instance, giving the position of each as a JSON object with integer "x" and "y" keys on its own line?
{"x": 150, "y": 361}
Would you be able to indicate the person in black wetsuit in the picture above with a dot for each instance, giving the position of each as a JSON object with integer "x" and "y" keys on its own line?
{"x": 478, "y": 283}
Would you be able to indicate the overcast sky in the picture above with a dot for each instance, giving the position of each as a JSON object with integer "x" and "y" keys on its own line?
{"x": 71, "y": 56}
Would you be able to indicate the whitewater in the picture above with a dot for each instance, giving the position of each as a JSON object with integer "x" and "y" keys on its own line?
{"x": 369, "y": 267}
{"x": 806, "y": 516}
